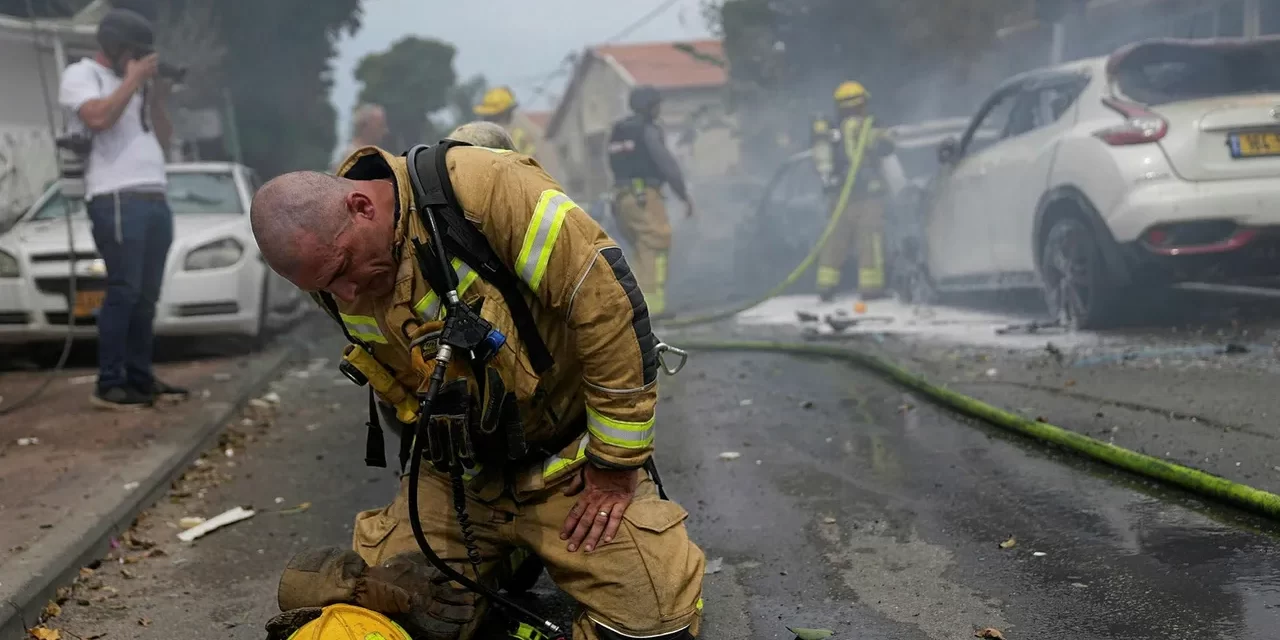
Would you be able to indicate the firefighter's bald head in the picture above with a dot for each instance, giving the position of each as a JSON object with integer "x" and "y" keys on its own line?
{"x": 325, "y": 233}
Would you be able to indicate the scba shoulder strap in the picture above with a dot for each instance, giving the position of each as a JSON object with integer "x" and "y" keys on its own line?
{"x": 429, "y": 175}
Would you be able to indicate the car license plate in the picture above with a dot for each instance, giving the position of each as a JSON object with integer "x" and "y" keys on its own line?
{"x": 1253, "y": 145}
{"x": 88, "y": 303}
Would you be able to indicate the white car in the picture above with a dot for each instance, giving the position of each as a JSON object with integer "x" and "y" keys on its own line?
{"x": 215, "y": 281}
{"x": 1158, "y": 164}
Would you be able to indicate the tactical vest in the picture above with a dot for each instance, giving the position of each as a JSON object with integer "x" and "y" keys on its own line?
{"x": 629, "y": 155}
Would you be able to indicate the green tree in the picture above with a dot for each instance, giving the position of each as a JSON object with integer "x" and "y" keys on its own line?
{"x": 275, "y": 64}
{"x": 411, "y": 80}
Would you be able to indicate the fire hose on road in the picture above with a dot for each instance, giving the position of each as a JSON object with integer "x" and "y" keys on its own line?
{"x": 1193, "y": 480}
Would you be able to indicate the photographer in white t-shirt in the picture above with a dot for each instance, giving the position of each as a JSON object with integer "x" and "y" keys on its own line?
{"x": 119, "y": 100}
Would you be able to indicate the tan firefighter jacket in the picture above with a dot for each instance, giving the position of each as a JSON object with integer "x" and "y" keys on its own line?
{"x": 584, "y": 300}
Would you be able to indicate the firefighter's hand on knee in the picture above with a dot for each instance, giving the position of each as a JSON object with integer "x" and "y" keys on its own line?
{"x": 603, "y": 496}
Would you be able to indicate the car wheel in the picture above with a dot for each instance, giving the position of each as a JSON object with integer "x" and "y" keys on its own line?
{"x": 1078, "y": 290}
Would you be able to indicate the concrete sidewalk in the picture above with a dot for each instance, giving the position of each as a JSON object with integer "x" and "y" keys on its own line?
{"x": 72, "y": 477}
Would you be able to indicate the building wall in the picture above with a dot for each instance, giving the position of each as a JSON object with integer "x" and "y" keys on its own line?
{"x": 601, "y": 100}
{"x": 27, "y": 161}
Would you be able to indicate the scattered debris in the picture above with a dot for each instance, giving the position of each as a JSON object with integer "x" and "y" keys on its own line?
{"x": 45, "y": 633}
{"x": 27, "y": 442}
{"x": 312, "y": 427}
{"x": 85, "y": 572}
{"x": 1039, "y": 554}
{"x": 811, "y": 634}
{"x": 989, "y": 632}
{"x": 298, "y": 509}
{"x": 1030, "y": 327}
{"x": 745, "y": 402}
{"x": 144, "y": 621}
{"x": 189, "y": 522}
{"x": 130, "y": 486}
{"x": 272, "y": 398}
{"x": 859, "y": 307}
{"x": 828, "y": 520}
{"x": 51, "y": 610}
{"x": 223, "y": 519}
{"x": 229, "y": 452}
{"x": 1010, "y": 543}
{"x": 714, "y": 566}
{"x": 127, "y": 574}
{"x": 279, "y": 500}
{"x": 1079, "y": 585}
{"x": 730, "y": 455}
{"x": 807, "y": 404}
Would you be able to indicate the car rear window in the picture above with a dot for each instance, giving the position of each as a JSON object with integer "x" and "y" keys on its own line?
{"x": 187, "y": 193}
{"x": 1174, "y": 74}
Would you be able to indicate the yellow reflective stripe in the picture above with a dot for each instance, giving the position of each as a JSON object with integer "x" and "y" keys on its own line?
{"x": 555, "y": 464}
{"x": 428, "y": 308}
{"x": 363, "y": 328}
{"x": 828, "y": 276}
{"x": 660, "y": 268}
{"x": 699, "y": 604}
{"x": 540, "y": 239}
{"x": 628, "y": 435}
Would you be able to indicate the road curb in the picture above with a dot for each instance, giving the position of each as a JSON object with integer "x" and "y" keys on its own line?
{"x": 1199, "y": 482}
{"x": 21, "y": 611}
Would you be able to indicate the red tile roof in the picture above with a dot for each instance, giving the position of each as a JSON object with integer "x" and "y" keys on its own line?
{"x": 662, "y": 65}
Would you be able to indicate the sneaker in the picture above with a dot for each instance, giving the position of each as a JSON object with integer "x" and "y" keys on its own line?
{"x": 120, "y": 399}
{"x": 168, "y": 392}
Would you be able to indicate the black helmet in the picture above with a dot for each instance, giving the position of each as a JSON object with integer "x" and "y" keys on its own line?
{"x": 644, "y": 98}
{"x": 123, "y": 29}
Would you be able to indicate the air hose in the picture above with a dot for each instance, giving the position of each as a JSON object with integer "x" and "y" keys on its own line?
{"x": 1198, "y": 482}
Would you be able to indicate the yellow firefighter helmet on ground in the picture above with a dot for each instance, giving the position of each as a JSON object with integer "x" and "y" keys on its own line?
{"x": 496, "y": 100}
{"x": 851, "y": 94}
{"x": 349, "y": 622}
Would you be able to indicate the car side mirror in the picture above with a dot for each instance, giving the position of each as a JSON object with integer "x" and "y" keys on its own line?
{"x": 948, "y": 151}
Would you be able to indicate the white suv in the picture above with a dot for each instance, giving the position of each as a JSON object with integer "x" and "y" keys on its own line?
{"x": 1157, "y": 164}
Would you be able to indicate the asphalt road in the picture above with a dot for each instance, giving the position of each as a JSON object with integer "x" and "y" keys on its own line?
{"x": 852, "y": 507}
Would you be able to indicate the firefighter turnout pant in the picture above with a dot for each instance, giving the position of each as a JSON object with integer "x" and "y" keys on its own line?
{"x": 646, "y": 582}
{"x": 643, "y": 222}
{"x": 862, "y": 229}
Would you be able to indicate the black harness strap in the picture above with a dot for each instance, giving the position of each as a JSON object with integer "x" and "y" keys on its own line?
{"x": 432, "y": 189}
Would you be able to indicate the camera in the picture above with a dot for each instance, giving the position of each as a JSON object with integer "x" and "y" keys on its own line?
{"x": 172, "y": 72}
{"x": 73, "y": 158}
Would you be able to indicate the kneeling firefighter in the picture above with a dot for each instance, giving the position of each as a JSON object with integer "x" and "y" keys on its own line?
{"x": 508, "y": 345}
{"x": 850, "y": 151}
{"x": 641, "y": 164}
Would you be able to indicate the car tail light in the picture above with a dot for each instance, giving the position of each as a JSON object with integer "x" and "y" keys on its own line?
{"x": 1140, "y": 127}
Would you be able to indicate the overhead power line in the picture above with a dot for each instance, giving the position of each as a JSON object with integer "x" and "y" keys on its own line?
{"x": 643, "y": 20}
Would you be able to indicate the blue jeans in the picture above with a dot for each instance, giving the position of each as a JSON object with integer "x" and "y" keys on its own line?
{"x": 134, "y": 243}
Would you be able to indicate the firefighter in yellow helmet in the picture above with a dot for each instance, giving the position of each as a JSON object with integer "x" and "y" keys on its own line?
{"x": 641, "y": 165}
{"x": 853, "y": 142}
{"x": 499, "y": 106}
{"x": 547, "y": 437}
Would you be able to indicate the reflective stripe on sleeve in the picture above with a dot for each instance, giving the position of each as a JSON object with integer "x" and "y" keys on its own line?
{"x": 428, "y": 308}
{"x": 628, "y": 435}
{"x": 363, "y": 328}
{"x": 555, "y": 464}
{"x": 540, "y": 239}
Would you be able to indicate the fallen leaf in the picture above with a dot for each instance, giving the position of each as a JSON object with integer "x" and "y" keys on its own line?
{"x": 85, "y": 572}
{"x": 1039, "y": 554}
{"x": 51, "y": 610}
{"x": 989, "y": 632}
{"x": 26, "y": 442}
{"x": 828, "y": 520}
{"x": 63, "y": 594}
{"x": 144, "y": 622}
{"x": 45, "y": 633}
{"x": 127, "y": 574}
{"x": 298, "y": 509}
{"x": 811, "y": 634}
{"x": 1010, "y": 543}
